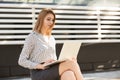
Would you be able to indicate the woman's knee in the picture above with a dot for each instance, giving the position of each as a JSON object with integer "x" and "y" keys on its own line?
{"x": 67, "y": 65}
{"x": 69, "y": 72}
{"x": 68, "y": 75}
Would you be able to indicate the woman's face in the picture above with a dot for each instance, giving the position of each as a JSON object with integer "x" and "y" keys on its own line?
{"x": 48, "y": 21}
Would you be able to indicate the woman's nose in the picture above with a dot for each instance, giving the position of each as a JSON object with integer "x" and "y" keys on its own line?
{"x": 51, "y": 22}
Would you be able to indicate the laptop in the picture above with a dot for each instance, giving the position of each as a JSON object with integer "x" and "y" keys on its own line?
{"x": 69, "y": 50}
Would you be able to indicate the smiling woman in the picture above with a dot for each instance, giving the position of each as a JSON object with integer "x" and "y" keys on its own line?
{"x": 39, "y": 50}
{"x": 45, "y": 22}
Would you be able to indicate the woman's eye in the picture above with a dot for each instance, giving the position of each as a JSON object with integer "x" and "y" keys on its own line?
{"x": 50, "y": 20}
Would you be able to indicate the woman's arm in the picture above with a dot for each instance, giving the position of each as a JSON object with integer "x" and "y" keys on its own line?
{"x": 25, "y": 53}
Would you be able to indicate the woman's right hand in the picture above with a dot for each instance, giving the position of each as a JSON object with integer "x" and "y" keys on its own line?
{"x": 41, "y": 66}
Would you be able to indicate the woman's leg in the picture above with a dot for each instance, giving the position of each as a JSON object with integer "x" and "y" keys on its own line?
{"x": 68, "y": 75}
{"x": 73, "y": 66}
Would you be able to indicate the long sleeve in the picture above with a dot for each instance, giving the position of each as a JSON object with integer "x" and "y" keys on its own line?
{"x": 36, "y": 50}
{"x": 24, "y": 60}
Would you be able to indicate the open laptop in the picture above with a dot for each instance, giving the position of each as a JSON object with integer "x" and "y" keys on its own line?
{"x": 69, "y": 50}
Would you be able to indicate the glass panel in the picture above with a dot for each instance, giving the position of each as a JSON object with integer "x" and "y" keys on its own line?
{"x": 99, "y": 3}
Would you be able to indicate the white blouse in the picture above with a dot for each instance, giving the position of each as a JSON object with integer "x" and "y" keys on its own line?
{"x": 37, "y": 49}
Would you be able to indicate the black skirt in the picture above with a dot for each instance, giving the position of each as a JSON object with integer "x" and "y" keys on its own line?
{"x": 51, "y": 73}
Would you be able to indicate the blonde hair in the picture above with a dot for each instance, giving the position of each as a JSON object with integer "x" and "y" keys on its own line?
{"x": 40, "y": 19}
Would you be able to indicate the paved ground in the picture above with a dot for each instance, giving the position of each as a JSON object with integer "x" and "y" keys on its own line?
{"x": 109, "y": 75}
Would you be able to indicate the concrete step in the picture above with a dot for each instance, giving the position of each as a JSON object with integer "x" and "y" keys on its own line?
{"x": 109, "y": 75}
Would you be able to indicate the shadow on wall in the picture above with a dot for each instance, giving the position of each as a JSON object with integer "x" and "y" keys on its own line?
{"x": 99, "y": 56}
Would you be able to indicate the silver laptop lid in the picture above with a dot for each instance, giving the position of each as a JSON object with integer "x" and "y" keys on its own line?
{"x": 69, "y": 50}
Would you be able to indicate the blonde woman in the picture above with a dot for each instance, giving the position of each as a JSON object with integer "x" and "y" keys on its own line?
{"x": 39, "y": 49}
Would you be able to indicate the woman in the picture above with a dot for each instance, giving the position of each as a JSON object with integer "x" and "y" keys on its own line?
{"x": 39, "y": 49}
